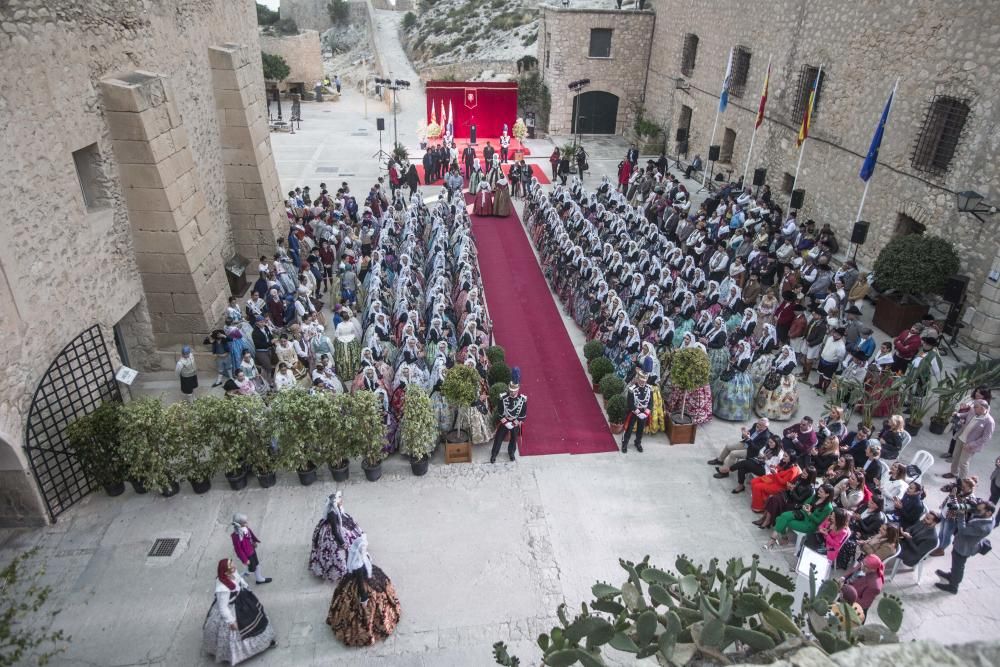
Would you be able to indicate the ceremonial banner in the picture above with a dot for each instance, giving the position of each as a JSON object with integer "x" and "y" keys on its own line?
{"x": 471, "y": 98}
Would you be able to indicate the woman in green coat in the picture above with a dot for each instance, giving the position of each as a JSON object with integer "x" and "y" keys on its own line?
{"x": 805, "y": 520}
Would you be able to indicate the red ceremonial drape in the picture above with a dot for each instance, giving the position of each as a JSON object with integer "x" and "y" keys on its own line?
{"x": 487, "y": 104}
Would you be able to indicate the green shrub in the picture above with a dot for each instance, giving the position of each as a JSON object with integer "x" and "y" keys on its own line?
{"x": 266, "y": 16}
{"x": 94, "y": 439}
{"x": 529, "y": 39}
{"x": 461, "y": 386}
{"x": 600, "y": 367}
{"x": 495, "y": 391}
{"x": 611, "y": 385}
{"x": 471, "y": 47}
{"x": 593, "y": 349}
{"x": 275, "y": 67}
{"x": 495, "y": 354}
{"x": 409, "y": 20}
{"x": 499, "y": 372}
{"x": 689, "y": 370}
{"x": 916, "y": 264}
{"x": 616, "y": 409}
{"x": 151, "y": 442}
{"x": 418, "y": 429}
{"x": 339, "y": 11}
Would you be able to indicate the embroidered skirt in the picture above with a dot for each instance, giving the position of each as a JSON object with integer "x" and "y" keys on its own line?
{"x": 362, "y": 624}
{"x": 733, "y": 400}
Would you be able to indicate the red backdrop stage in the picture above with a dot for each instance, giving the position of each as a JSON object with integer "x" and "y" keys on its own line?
{"x": 485, "y": 104}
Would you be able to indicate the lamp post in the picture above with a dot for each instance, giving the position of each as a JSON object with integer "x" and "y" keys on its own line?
{"x": 576, "y": 87}
{"x": 394, "y": 86}
{"x": 970, "y": 201}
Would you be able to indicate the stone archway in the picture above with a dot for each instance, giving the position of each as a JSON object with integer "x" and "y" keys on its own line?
{"x": 20, "y": 504}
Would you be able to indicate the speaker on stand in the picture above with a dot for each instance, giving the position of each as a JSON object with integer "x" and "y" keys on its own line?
{"x": 859, "y": 234}
{"x": 713, "y": 155}
{"x": 381, "y": 156}
{"x": 797, "y": 200}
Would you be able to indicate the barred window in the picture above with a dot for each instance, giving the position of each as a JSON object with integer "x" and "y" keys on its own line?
{"x": 807, "y": 76}
{"x": 728, "y": 143}
{"x": 741, "y": 71}
{"x": 690, "y": 54}
{"x": 600, "y": 43}
{"x": 940, "y": 134}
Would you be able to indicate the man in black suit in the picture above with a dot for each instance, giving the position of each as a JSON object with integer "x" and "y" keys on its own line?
{"x": 488, "y": 152}
{"x": 468, "y": 159}
{"x": 751, "y": 442}
{"x": 428, "y": 162}
{"x": 632, "y": 155}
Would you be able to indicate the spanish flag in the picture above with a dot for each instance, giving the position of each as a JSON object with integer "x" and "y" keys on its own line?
{"x": 763, "y": 99}
{"x": 807, "y": 116}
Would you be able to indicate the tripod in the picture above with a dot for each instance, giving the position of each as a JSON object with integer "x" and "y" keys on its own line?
{"x": 382, "y": 157}
{"x": 706, "y": 186}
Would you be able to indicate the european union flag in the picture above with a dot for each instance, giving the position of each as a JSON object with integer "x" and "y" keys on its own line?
{"x": 868, "y": 168}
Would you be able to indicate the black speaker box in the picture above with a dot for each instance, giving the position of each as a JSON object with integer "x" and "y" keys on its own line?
{"x": 759, "y": 176}
{"x": 860, "y": 232}
{"x": 682, "y": 134}
{"x": 954, "y": 289}
{"x": 380, "y": 124}
{"x": 713, "y": 152}
{"x": 682, "y": 148}
{"x": 798, "y": 198}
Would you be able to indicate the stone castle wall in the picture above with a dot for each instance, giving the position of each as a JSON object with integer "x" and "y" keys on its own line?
{"x": 303, "y": 54}
{"x": 564, "y": 39}
{"x": 934, "y": 48}
{"x": 315, "y": 15}
{"x": 66, "y": 265}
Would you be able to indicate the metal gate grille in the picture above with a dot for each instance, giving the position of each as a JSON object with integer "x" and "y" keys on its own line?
{"x": 79, "y": 379}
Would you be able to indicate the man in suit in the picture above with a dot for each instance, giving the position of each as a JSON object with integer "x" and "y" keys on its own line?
{"x": 428, "y": 163}
{"x": 751, "y": 442}
{"x": 488, "y": 152}
{"x": 468, "y": 159}
{"x": 969, "y": 538}
{"x": 633, "y": 155}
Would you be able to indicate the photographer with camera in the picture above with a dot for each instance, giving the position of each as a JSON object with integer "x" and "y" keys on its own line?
{"x": 957, "y": 504}
{"x": 970, "y": 539}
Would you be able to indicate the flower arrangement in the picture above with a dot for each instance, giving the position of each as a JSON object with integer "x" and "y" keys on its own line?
{"x": 94, "y": 438}
{"x": 520, "y": 130}
{"x": 433, "y": 130}
{"x": 419, "y": 432}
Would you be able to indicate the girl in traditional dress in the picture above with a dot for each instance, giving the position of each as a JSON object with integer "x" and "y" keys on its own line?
{"x": 332, "y": 540}
{"x": 718, "y": 351}
{"x": 502, "y": 205}
{"x": 364, "y": 608}
{"x": 236, "y": 627}
{"x": 347, "y": 345}
{"x": 650, "y": 365}
{"x": 483, "y": 203}
{"x": 766, "y": 346}
{"x": 778, "y": 398}
{"x": 732, "y": 393}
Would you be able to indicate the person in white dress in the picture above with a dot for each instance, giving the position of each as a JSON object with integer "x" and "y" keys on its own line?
{"x": 236, "y": 627}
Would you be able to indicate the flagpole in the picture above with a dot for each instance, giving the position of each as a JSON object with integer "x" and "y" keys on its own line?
{"x": 802, "y": 148}
{"x": 753, "y": 136}
{"x": 864, "y": 194}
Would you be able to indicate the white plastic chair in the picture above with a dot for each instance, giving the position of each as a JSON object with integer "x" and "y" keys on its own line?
{"x": 918, "y": 568}
{"x": 907, "y": 438}
{"x": 924, "y": 461}
{"x": 893, "y": 560}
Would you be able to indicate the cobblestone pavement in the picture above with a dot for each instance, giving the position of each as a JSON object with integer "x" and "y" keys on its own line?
{"x": 478, "y": 553}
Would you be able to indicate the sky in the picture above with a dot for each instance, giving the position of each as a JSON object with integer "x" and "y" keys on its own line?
{"x": 270, "y": 4}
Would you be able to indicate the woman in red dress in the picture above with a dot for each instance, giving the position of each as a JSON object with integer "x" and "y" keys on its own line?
{"x": 484, "y": 200}
{"x": 762, "y": 488}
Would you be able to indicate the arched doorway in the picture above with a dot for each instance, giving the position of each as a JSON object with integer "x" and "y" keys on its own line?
{"x": 596, "y": 112}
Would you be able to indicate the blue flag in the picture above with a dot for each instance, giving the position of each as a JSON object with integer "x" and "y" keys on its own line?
{"x": 724, "y": 97}
{"x": 868, "y": 168}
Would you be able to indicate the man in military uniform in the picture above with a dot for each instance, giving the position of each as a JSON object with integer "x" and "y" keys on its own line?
{"x": 513, "y": 412}
{"x": 639, "y": 402}
{"x": 504, "y": 147}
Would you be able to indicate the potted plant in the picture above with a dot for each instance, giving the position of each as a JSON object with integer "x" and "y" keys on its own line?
{"x": 599, "y": 367}
{"x": 917, "y": 390}
{"x": 366, "y": 424}
{"x": 611, "y": 385}
{"x": 237, "y": 427}
{"x": 332, "y": 443}
{"x": 498, "y": 373}
{"x": 906, "y": 268}
{"x": 689, "y": 370}
{"x": 953, "y": 387}
{"x": 883, "y": 390}
{"x": 201, "y": 455}
{"x": 418, "y": 430}
{"x": 495, "y": 391}
{"x": 495, "y": 354}
{"x": 592, "y": 350}
{"x": 295, "y": 417}
{"x": 461, "y": 390}
{"x": 94, "y": 438}
{"x": 262, "y": 450}
{"x": 151, "y": 445}
{"x": 616, "y": 413}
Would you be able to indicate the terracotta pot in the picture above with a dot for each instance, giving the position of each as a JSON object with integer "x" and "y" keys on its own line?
{"x": 617, "y": 428}
{"x": 680, "y": 434}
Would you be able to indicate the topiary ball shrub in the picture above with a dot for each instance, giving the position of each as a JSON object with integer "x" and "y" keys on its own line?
{"x": 593, "y": 349}
{"x": 616, "y": 409}
{"x": 611, "y": 385}
{"x": 916, "y": 264}
{"x": 499, "y": 373}
{"x": 495, "y": 354}
{"x": 600, "y": 367}
{"x": 690, "y": 369}
{"x": 495, "y": 391}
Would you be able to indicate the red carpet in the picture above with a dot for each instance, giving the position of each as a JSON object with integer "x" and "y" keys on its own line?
{"x": 536, "y": 171}
{"x": 563, "y": 414}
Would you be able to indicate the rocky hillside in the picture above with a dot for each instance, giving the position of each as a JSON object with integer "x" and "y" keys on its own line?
{"x": 459, "y": 31}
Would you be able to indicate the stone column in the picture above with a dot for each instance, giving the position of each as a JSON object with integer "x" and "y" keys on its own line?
{"x": 177, "y": 245}
{"x": 255, "y": 204}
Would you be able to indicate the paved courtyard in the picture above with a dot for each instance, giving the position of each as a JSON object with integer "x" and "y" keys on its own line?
{"x": 478, "y": 552}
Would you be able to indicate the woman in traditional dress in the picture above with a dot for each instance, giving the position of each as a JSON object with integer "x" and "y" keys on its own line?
{"x": 650, "y": 365}
{"x": 236, "y": 627}
{"x": 778, "y": 398}
{"x": 718, "y": 350}
{"x": 443, "y": 412}
{"x": 364, "y": 608}
{"x": 502, "y": 205}
{"x": 347, "y": 345}
{"x": 476, "y": 177}
{"x": 732, "y": 393}
{"x": 251, "y": 372}
{"x": 483, "y": 203}
{"x": 332, "y": 539}
{"x": 766, "y": 346}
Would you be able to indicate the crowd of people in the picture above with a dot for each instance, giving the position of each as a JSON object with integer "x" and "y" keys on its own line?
{"x": 364, "y": 608}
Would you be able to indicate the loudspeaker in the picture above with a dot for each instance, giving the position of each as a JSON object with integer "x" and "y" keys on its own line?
{"x": 860, "y": 232}
{"x": 682, "y": 134}
{"x": 954, "y": 289}
{"x": 380, "y": 124}
{"x": 759, "y": 176}
{"x": 682, "y": 148}
{"x": 713, "y": 153}
{"x": 798, "y": 198}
